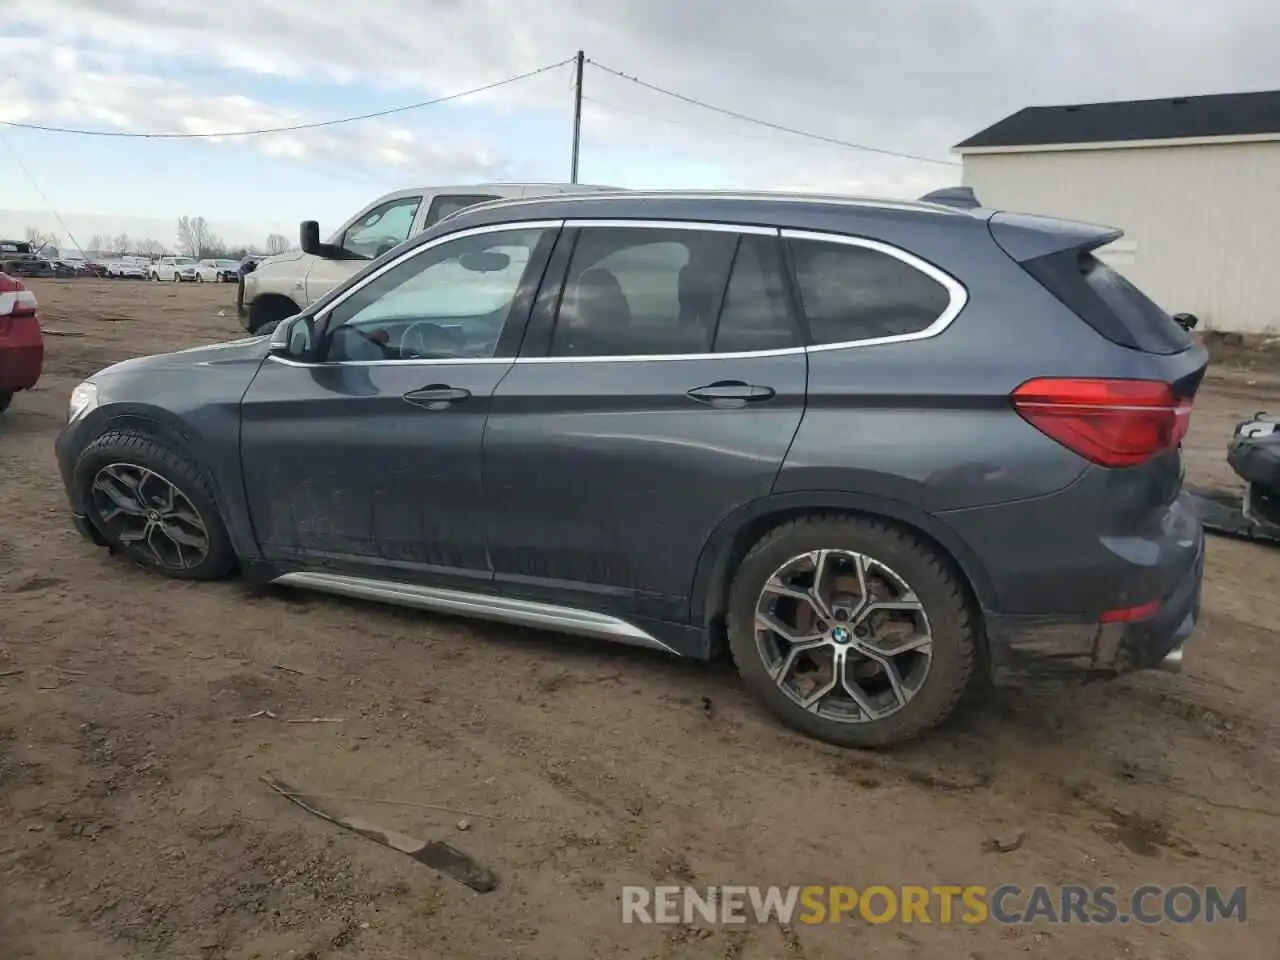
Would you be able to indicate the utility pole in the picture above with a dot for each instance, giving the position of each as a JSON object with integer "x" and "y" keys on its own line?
{"x": 578, "y": 63}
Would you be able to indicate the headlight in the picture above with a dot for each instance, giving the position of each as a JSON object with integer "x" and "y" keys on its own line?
{"x": 83, "y": 399}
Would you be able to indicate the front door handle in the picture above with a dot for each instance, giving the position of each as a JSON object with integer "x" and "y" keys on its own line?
{"x": 436, "y": 396}
{"x": 731, "y": 393}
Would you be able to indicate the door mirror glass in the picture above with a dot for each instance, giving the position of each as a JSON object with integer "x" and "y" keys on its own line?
{"x": 294, "y": 337}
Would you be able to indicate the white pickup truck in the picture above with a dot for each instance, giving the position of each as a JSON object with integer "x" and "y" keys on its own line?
{"x": 282, "y": 285}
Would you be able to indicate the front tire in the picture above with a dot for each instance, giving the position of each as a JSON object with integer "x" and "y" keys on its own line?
{"x": 264, "y": 314}
{"x": 852, "y": 630}
{"x": 152, "y": 502}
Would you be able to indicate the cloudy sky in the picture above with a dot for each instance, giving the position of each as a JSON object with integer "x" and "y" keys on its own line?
{"x": 912, "y": 76}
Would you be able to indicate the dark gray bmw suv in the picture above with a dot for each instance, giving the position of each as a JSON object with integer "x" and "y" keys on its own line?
{"x": 880, "y": 449}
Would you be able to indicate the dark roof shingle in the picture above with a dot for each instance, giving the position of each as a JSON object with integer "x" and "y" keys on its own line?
{"x": 1213, "y": 115}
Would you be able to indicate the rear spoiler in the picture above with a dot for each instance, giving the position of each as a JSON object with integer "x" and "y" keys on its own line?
{"x": 1025, "y": 237}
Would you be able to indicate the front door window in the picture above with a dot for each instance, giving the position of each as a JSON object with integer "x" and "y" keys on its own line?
{"x": 381, "y": 229}
{"x": 449, "y": 302}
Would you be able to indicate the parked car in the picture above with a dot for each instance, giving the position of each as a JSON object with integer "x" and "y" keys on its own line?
{"x": 281, "y": 285}
{"x": 796, "y": 426}
{"x": 18, "y": 260}
{"x": 217, "y": 271}
{"x": 70, "y": 268}
{"x": 96, "y": 268}
{"x": 21, "y": 341}
{"x": 125, "y": 270}
{"x": 172, "y": 269}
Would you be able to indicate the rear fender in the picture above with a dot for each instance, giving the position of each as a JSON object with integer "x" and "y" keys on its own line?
{"x": 737, "y": 532}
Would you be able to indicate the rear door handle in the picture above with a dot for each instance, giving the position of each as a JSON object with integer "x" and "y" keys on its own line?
{"x": 436, "y": 396}
{"x": 731, "y": 393}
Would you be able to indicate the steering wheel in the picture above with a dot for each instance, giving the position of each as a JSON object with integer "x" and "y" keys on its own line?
{"x": 426, "y": 338}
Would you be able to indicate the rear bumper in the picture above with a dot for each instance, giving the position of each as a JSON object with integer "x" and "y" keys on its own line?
{"x": 21, "y": 361}
{"x": 1031, "y": 646}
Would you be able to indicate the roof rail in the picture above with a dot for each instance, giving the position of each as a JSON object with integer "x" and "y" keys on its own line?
{"x": 962, "y": 197}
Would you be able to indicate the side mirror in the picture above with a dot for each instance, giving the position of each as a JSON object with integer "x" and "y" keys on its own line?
{"x": 294, "y": 338}
{"x": 309, "y": 236}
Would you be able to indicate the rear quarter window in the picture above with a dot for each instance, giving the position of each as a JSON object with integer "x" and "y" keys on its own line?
{"x": 853, "y": 293}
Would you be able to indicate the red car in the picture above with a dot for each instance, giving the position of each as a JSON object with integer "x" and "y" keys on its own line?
{"x": 21, "y": 342}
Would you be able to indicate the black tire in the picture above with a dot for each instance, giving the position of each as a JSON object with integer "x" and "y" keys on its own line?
{"x": 6, "y": 398}
{"x": 135, "y": 448}
{"x": 265, "y": 314}
{"x": 952, "y": 621}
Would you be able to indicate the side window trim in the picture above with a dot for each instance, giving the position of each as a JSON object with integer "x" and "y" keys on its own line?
{"x": 956, "y": 291}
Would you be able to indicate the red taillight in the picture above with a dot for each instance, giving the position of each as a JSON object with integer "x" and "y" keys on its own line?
{"x": 1115, "y": 423}
{"x": 17, "y": 303}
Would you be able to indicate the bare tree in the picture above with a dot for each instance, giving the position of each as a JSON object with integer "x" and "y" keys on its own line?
{"x": 149, "y": 248}
{"x": 39, "y": 239}
{"x": 98, "y": 243}
{"x": 119, "y": 244}
{"x": 276, "y": 243}
{"x": 196, "y": 239}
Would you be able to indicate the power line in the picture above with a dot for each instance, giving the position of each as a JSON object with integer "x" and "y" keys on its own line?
{"x": 615, "y": 108}
{"x": 293, "y": 127}
{"x": 36, "y": 186}
{"x": 768, "y": 123}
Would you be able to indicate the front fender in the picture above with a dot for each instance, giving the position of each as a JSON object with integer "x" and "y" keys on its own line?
{"x": 212, "y": 443}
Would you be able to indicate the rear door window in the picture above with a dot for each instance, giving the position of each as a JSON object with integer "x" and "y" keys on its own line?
{"x": 642, "y": 292}
{"x": 851, "y": 293}
{"x": 446, "y": 204}
{"x": 756, "y": 315}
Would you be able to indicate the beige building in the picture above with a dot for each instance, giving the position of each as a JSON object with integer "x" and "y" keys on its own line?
{"x": 1193, "y": 181}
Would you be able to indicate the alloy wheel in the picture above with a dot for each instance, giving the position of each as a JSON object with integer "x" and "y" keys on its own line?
{"x": 843, "y": 636}
{"x": 150, "y": 516}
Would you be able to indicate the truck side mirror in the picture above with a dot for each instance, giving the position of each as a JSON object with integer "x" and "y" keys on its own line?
{"x": 309, "y": 237}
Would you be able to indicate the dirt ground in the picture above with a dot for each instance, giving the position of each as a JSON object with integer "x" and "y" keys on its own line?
{"x": 133, "y": 821}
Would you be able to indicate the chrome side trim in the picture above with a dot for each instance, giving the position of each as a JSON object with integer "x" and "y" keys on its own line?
{"x": 959, "y": 295}
{"x": 872, "y": 203}
{"x": 712, "y": 226}
{"x": 478, "y": 606}
{"x": 392, "y": 363}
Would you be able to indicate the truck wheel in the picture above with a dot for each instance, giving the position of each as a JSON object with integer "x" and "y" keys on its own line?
{"x": 153, "y": 503}
{"x": 851, "y": 630}
{"x": 264, "y": 314}
{"x": 6, "y": 398}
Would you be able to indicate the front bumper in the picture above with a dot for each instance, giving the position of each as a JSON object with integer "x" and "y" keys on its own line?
{"x": 1024, "y": 646}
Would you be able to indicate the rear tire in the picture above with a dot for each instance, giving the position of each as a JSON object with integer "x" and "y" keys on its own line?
{"x": 152, "y": 502}
{"x": 6, "y": 398}
{"x": 911, "y": 680}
